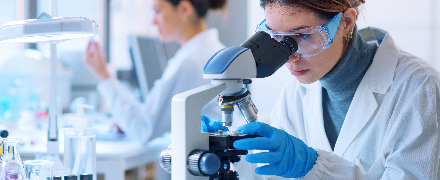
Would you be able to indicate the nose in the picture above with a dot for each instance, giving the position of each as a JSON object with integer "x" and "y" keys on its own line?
{"x": 293, "y": 58}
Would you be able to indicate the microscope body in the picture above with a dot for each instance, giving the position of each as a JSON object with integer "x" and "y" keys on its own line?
{"x": 229, "y": 69}
{"x": 185, "y": 117}
{"x": 185, "y": 127}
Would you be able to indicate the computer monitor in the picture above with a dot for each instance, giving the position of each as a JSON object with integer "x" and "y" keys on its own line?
{"x": 149, "y": 57}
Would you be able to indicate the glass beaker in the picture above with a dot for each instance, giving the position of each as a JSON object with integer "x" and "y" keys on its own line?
{"x": 11, "y": 165}
{"x": 38, "y": 169}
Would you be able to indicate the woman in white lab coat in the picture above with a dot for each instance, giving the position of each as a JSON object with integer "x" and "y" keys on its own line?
{"x": 177, "y": 20}
{"x": 358, "y": 107}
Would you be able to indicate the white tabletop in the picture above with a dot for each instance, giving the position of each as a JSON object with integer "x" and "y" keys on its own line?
{"x": 113, "y": 158}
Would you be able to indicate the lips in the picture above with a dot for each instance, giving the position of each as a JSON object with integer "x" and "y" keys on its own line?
{"x": 298, "y": 72}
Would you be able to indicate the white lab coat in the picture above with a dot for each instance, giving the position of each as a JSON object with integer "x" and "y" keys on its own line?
{"x": 391, "y": 129}
{"x": 183, "y": 72}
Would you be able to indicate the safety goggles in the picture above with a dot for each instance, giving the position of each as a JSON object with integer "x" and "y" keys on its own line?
{"x": 311, "y": 41}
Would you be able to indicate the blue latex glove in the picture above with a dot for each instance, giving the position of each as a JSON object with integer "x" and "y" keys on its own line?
{"x": 288, "y": 156}
{"x": 208, "y": 125}
{"x": 212, "y": 125}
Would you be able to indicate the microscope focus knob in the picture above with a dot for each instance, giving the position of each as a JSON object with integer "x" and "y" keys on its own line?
{"x": 203, "y": 163}
{"x": 165, "y": 160}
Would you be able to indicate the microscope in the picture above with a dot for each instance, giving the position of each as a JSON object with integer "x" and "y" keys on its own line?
{"x": 197, "y": 155}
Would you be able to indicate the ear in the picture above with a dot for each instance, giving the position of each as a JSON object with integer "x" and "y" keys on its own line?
{"x": 349, "y": 19}
{"x": 185, "y": 8}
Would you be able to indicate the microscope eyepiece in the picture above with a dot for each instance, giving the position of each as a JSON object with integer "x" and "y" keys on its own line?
{"x": 289, "y": 41}
{"x": 270, "y": 54}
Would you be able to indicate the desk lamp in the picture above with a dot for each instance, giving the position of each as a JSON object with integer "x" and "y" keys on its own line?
{"x": 51, "y": 29}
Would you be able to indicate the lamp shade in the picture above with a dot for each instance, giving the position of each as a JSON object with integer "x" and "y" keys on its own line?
{"x": 48, "y": 29}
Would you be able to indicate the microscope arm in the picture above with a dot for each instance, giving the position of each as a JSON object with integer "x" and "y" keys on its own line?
{"x": 185, "y": 124}
{"x": 260, "y": 56}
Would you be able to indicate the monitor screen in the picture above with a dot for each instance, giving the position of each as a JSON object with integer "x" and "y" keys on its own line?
{"x": 149, "y": 57}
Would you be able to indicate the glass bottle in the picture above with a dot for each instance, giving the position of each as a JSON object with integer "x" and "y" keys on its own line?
{"x": 11, "y": 165}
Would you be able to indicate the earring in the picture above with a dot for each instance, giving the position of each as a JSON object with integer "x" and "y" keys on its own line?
{"x": 349, "y": 36}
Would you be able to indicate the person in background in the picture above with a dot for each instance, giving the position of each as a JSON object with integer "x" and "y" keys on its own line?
{"x": 359, "y": 107}
{"x": 183, "y": 21}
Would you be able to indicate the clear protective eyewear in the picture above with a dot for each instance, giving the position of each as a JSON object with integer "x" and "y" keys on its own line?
{"x": 311, "y": 41}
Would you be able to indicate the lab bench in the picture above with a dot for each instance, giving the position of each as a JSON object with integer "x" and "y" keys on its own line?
{"x": 113, "y": 158}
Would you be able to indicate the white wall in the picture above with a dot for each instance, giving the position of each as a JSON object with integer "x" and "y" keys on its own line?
{"x": 9, "y": 14}
{"x": 414, "y": 26}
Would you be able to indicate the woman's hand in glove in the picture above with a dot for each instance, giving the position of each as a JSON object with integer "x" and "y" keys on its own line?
{"x": 209, "y": 125}
{"x": 212, "y": 125}
{"x": 288, "y": 156}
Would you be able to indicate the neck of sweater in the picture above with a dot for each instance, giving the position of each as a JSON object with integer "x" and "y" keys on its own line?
{"x": 341, "y": 83}
{"x": 348, "y": 73}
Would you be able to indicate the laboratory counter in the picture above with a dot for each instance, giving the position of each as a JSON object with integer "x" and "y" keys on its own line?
{"x": 113, "y": 158}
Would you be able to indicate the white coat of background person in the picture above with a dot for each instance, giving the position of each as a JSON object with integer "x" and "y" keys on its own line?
{"x": 177, "y": 20}
{"x": 389, "y": 101}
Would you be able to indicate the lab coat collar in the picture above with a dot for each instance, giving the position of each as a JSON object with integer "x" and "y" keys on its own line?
{"x": 377, "y": 79}
{"x": 200, "y": 40}
{"x": 312, "y": 105}
{"x": 380, "y": 75}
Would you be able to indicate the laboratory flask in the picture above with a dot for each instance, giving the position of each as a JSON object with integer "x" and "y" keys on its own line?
{"x": 11, "y": 166}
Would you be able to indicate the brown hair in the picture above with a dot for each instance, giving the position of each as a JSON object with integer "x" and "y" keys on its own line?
{"x": 324, "y": 8}
{"x": 202, "y": 6}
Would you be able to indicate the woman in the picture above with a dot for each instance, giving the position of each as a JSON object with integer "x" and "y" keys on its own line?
{"x": 177, "y": 20}
{"x": 358, "y": 107}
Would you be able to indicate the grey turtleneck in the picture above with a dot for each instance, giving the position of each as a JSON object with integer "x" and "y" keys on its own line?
{"x": 341, "y": 83}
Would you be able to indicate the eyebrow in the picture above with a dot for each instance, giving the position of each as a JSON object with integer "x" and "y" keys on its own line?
{"x": 298, "y": 28}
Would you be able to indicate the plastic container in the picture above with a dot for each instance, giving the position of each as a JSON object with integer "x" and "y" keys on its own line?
{"x": 80, "y": 146}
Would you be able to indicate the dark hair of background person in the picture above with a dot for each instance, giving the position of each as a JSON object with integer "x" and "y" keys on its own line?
{"x": 202, "y": 6}
{"x": 326, "y": 9}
